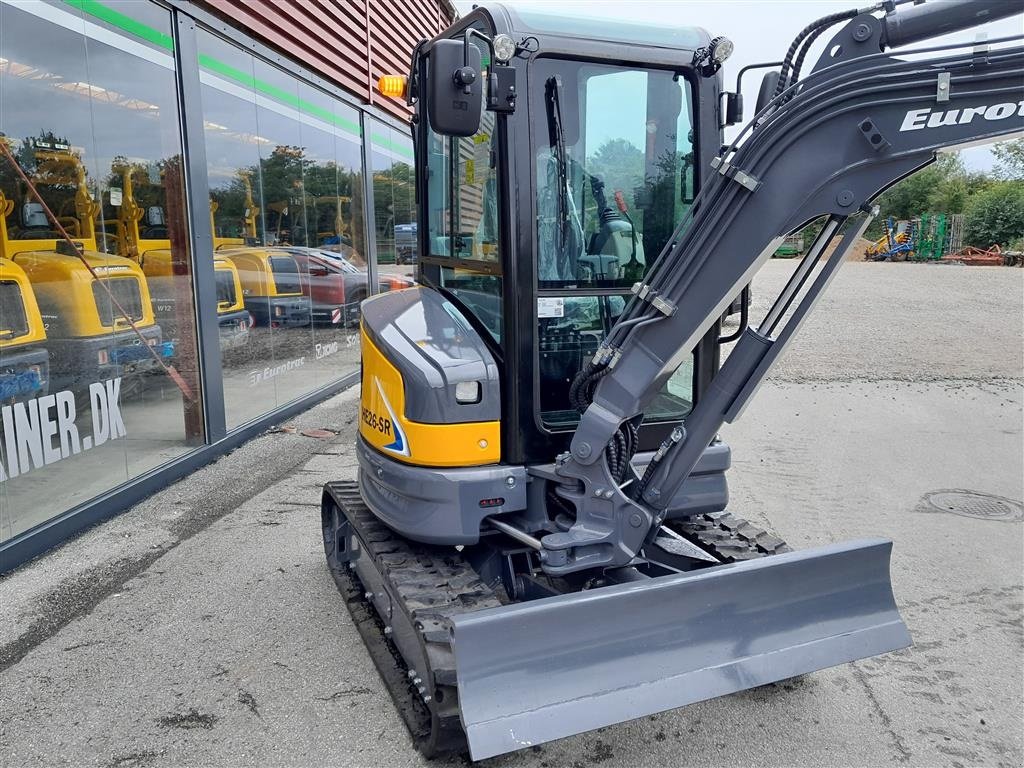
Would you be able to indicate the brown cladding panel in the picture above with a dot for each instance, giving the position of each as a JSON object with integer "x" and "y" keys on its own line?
{"x": 350, "y": 42}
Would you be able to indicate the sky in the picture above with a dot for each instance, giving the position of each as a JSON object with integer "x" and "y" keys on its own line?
{"x": 761, "y": 30}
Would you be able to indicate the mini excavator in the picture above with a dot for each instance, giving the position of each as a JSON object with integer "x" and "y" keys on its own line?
{"x": 538, "y": 542}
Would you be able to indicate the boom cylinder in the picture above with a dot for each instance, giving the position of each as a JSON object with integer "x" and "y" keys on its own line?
{"x": 706, "y": 418}
{"x": 940, "y": 18}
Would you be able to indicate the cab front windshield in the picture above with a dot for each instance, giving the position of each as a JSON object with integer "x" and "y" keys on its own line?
{"x": 614, "y": 165}
{"x": 613, "y": 157}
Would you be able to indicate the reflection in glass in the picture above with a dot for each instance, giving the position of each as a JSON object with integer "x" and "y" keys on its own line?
{"x": 96, "y": 385}
{"x": 394, "y": 205}
{"x": 614, "y": 170}
{"x": 285, "y": 170}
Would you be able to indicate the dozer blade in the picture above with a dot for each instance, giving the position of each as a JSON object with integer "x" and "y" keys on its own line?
{"x": 541, "y": 670}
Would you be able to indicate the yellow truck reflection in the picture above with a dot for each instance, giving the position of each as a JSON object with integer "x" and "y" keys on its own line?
{"x": 88, "y": 338}
{"x": 142, "y": 236}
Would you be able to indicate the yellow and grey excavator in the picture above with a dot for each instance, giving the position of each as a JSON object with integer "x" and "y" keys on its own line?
{"x": 538, "y": 542}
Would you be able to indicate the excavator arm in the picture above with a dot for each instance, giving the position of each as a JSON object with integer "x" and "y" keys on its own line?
{"x": 826, "y": 147}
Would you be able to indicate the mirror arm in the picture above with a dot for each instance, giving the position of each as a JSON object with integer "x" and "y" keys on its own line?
{"x": 471, "y": 33}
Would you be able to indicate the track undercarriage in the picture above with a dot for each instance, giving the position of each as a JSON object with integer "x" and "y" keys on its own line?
{"x": 403, "y": 595}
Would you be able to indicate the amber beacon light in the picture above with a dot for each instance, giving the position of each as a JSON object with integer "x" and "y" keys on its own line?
{"x": 392, "y": 86}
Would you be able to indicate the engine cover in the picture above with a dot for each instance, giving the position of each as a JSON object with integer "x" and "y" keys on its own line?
{"x": 430, "y": 389}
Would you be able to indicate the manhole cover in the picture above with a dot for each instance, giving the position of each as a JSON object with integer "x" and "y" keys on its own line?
{"x": 973, "y": 504}
{"x": 322, "y": 434}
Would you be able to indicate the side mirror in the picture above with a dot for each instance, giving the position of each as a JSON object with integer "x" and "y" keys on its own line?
{"x": 733, "y": 108}
{"x": 769, "y": 83}
{"x": 455, "y": 103}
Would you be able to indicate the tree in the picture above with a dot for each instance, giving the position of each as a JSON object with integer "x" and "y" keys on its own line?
{"x": 620, "y": 165}
{"x": 995, "y": 216}
{"x": 1009, "y": 159}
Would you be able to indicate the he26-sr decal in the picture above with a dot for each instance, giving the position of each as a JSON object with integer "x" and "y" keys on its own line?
{"x": 386, "y": 425}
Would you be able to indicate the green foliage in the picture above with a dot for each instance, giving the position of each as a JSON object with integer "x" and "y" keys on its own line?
{"x": 995, "y": 215}
{"x": 943, "y": 187}
{"x": 297, "y": 199}
{"x": 1009, "y": 159}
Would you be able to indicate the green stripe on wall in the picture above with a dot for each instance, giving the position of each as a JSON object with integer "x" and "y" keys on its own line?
{"x": 397, "y": 147}
{"x": 145, "y": 32}
{"x": 126, "y": 23}
{"x": 279, "y": 94}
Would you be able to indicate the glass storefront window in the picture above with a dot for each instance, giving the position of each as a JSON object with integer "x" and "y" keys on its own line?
{"x": 98, "y": 361}
{"x": 285, "y": 173}
{"x": 394, "y": 204}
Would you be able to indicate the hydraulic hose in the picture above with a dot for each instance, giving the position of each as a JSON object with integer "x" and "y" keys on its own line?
{"x": 814, "y": 28}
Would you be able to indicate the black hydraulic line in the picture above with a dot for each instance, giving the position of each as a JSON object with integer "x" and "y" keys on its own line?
{"x": 799, "y": 63}
{"x": 744, "y": 309}
{"x": 812, "y": 28}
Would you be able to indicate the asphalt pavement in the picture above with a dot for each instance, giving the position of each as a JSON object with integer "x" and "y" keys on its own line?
{"x": 202, "y": 628}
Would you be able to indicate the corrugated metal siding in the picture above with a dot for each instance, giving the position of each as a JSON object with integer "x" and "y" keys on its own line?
{"x": 350, "y": 42}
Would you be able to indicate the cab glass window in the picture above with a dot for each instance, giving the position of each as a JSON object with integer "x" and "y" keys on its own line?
{"x": 614, "y": 170}
{"x": 463, "y": 226}
{"x": 614, "y": 150}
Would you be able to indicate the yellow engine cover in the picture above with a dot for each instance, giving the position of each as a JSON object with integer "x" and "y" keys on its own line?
{"x": 383, "y": 424}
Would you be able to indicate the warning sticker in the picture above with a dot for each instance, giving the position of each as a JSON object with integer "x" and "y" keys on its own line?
{"x": 548, "y": 306}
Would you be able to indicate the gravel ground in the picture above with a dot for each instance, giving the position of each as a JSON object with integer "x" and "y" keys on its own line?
{"x": 201, "y": 627}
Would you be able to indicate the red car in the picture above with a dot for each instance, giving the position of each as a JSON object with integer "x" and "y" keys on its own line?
{"x": 335, "y": 285}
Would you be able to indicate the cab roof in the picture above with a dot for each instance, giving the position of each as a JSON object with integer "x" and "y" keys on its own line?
{"x": 575, "y": 22}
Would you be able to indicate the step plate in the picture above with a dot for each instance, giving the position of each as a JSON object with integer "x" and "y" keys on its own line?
{"x": 533, "y": 672}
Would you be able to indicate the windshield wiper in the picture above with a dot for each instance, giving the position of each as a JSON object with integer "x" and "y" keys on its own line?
{"x": 556, "y": 138}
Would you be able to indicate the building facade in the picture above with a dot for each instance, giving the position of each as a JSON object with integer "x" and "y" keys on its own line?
{"x": 194, "y": 199}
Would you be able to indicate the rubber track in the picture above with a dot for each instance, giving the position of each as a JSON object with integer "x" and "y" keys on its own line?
{"x": 729, "y": 538}
{"x": 435, "y": 583}
{"x": 432, "y": 584}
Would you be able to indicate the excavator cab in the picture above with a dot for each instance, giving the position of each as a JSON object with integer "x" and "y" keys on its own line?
{"x": 583, "y": 179}
{"x": 539, "y": 533}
